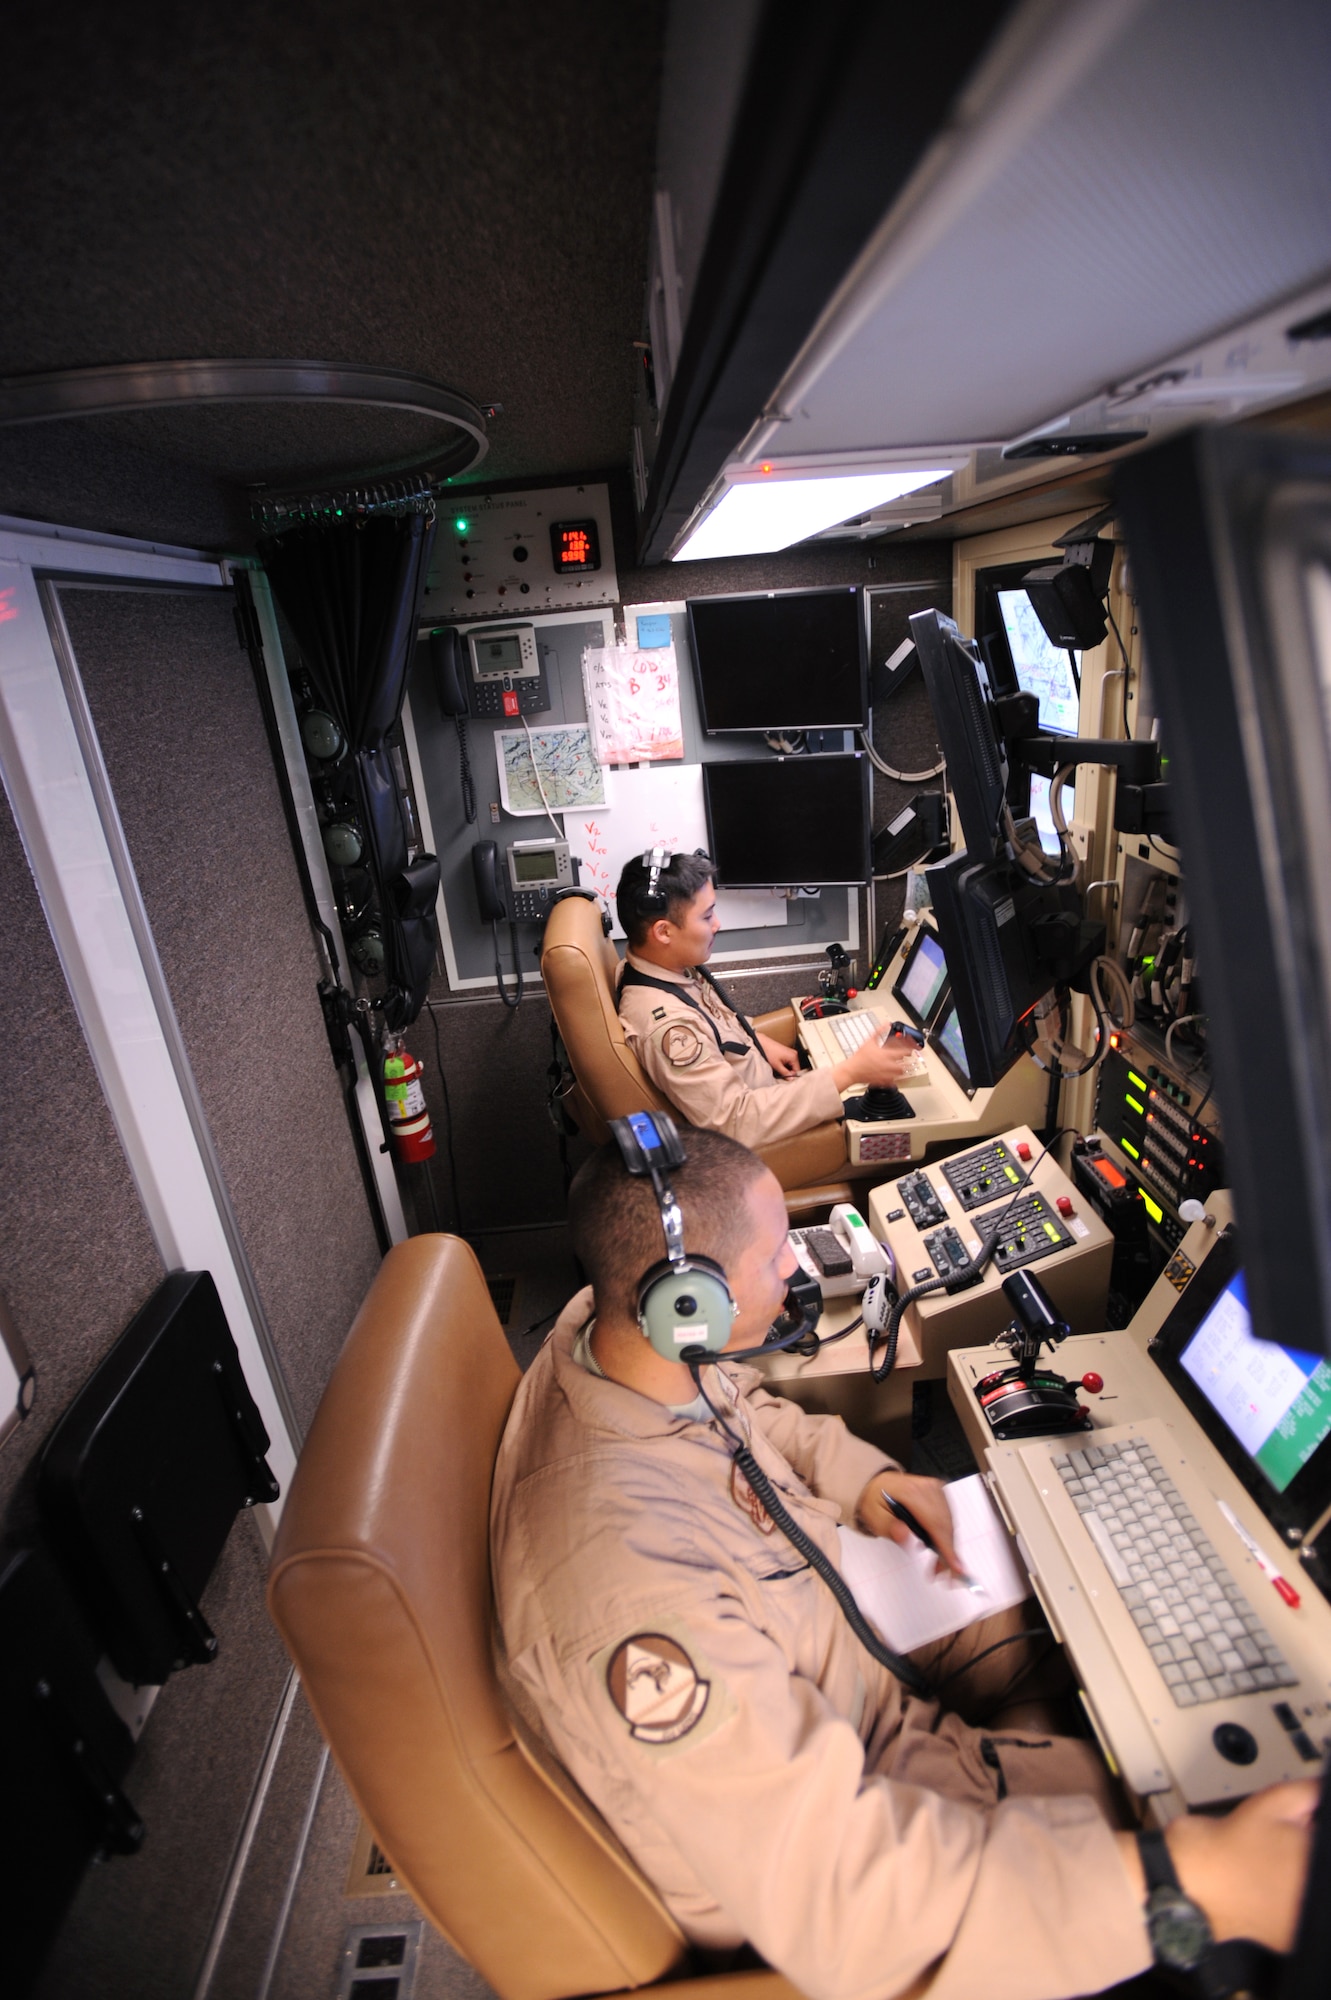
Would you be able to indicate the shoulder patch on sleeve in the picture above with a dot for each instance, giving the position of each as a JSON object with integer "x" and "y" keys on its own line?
{"x": 682, "y": 1045}
{"x": 658, "y": 1013}
{"x": 656, "y": 1688}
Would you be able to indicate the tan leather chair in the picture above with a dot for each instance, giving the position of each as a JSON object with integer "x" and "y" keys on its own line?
{"x": 380, "y": 1586}
{"x": 578, "y": 965}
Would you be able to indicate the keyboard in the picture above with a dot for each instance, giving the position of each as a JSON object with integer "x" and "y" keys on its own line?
{"x": 839, "y": 1035}
{"x": 1195, "y": 1620}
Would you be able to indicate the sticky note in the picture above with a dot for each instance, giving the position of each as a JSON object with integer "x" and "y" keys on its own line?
{"x": 654, "y": 630}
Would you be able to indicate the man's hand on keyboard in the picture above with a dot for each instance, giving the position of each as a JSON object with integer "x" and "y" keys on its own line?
{"x": 876, "y": 1062}
{"x": 1246, "y": 1870}
{"x": 784, "y": 1061}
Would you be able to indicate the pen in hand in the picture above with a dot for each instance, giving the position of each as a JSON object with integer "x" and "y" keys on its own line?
{"x": 917, "y": 1528}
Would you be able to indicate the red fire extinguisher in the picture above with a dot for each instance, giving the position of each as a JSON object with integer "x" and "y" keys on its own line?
{"x": 408, "y": 1119}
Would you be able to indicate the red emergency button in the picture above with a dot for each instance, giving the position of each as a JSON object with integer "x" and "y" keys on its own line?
{"x": 1092, "y": 1383}
{"x": 1064, "y": 1204}
{"x": 1023, "y": 1150}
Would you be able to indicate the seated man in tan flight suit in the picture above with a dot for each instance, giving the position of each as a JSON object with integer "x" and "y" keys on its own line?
{"x": 698, "y": 1050}
{"x": 700, "y": 1682}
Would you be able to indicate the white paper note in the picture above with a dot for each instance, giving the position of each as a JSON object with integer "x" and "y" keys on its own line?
{"x": 899, "y": 1594}
{"x": 633, "y": 703}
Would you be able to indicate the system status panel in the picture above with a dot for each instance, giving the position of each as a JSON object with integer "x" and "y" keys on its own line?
{"x": 1165, "y": 1127}
{"x": 511, "y": 555}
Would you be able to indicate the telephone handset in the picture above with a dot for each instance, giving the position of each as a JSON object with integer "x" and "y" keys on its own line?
{"x": 490, "y": 904}
{"x": 867, "y": 1256}
{"x": 451, "y": 684}
{"x": 489, "y": 894}
{"x": 450, "y": 676}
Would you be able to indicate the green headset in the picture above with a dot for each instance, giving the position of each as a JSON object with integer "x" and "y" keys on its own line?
{"x": 684, "y": 1302}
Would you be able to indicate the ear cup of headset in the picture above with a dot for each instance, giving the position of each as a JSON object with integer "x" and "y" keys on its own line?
{"x": 688, "y": 1308}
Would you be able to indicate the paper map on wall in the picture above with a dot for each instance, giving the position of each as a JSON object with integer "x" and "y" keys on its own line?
{"x": 633, "y": 703}
{"x": 566, "y": 760}
{"x": 662, "y": 804}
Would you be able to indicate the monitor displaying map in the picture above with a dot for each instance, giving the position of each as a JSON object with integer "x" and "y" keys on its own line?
{"x": 1042, "y": 668}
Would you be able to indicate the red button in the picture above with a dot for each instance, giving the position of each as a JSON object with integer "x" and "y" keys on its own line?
{"x": 1092, "y": 1383}
{"x": 510, "y": 702}
{"x": 1023, "y": 1150}
{"x": 1064, "y": 1204}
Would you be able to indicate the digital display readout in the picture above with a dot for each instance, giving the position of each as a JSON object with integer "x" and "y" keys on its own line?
{"x": 575, "y": 547}
{"x": 500, "y": 655}
{"x": 539, "y": 867}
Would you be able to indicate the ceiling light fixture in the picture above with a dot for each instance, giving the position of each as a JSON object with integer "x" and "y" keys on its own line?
{"x": 769, "y": 506}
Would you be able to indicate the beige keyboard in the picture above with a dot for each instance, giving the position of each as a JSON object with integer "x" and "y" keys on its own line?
{"x": 833, "y": 1039}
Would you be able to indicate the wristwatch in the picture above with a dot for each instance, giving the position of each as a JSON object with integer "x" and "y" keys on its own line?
{"x": 1179, "y": 1930}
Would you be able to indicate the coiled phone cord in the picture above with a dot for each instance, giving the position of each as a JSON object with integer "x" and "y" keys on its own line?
{"x": 510, "y": 1000}
{"x": 762, "y": 1488}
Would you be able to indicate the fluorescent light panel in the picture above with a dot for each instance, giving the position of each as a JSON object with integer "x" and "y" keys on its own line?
{"x": 760, "y": 512}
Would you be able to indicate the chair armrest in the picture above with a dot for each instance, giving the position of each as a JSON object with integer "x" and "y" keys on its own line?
{"x": 781, "y": 1025}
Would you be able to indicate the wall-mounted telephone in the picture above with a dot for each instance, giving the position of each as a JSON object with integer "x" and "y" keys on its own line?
{"x": 507, "y": 674}
{"x": 490, "y": 905}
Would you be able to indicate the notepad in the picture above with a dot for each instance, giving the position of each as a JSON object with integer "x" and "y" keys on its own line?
{"x": 897, "y": 1591}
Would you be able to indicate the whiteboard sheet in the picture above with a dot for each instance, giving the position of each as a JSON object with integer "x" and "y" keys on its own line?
{"x": 658, "y": 805}
{"x": 566, "y": 759}
{"x": 899, "y": 1594}
{"x": 632, "y": 696}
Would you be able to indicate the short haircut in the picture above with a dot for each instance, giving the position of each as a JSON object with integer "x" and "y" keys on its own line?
{"x": 615, "y": 1222}
{"x": 681, "y": 879}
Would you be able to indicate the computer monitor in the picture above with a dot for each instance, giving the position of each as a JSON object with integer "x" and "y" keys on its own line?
{"x": 976, "y": 769}
{"x": 1228, "y": 533}
{"x": 779, "y": 661}
{"x": 788, "y": 822}
{"x": 1041, "y": 668}
{"x": 1265, "y": 1405}
{"x": 946, "y": 1041}
{"x": 922, "y": 980}
{"x": 1008, "y": 941}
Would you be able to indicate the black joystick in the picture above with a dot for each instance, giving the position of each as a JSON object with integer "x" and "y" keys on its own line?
{"x": 878, "y": 1103}
{"x": 1030, "y": 1401}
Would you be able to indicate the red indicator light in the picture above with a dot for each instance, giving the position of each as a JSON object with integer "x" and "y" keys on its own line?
{"x": 767, "y": 468}
{"x": 1113, "y": 1041}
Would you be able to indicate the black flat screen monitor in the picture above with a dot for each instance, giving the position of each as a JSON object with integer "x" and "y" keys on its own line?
{"x": 781, "y": 661}
{"x": 788, "y": 822}
{"x": 976, "y": 771}
{"x": 1265, "y": 1405}
{"x": 922, "y": 981}
{"x": 986, "y": 916}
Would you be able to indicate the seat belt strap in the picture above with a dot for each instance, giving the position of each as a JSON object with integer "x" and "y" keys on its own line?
{"x": 632, "y": 977}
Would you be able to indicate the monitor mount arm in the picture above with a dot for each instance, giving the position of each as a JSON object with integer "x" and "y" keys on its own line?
{"x": 1141, "y": 800}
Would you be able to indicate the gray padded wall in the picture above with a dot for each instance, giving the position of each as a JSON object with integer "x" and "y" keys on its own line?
{"x": 77, "y": 1259}
{"x": 178, "y": 718}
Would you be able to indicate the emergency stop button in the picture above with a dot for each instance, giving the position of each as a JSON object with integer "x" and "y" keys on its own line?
{"x": 1064, "y": 1204}
{"x": 1023, "y": 1150}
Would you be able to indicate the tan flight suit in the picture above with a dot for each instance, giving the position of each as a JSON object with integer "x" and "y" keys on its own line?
{"x": 701, "y": 1684}
{"x": 717, "y": 1080}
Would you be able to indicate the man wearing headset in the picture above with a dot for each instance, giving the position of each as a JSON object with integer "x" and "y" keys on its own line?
{"x": 766, "y": 1771}
{"x": 697, "y": 1049}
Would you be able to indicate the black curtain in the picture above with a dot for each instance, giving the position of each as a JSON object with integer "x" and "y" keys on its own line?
{"x": 351, "y": 591}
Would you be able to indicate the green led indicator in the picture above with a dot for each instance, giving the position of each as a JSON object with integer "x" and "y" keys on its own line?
{"x": 1140, "y": 1081}
{"x": 1011, "y": 1173}
{"x": 1051, "y": 1232}
{"x": 1153, "y": 1208}
{"x": 461, "y": 524}
{"x": 1133, "y": 1105}
{"x": 1147, "y": 963}
{"x": 1128, "y": 1147}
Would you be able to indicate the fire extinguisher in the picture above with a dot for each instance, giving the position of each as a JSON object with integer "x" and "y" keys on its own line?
{"x": 408, "y": 1118}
